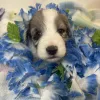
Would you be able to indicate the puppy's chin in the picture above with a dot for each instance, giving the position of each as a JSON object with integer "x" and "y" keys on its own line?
{"x": 53, "y": 59}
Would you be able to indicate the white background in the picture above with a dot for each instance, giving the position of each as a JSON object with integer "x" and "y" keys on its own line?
{"x": 17, "y": 4}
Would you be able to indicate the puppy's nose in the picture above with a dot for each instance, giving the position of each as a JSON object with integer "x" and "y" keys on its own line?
{"x": 52, "y": 50}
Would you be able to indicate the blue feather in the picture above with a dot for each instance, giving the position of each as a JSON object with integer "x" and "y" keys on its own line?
{"x": 74, "y": 94}
{"x": 92, "y": 84}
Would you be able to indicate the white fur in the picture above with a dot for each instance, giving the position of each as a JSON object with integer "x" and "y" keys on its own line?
{"x": 50, "y": 37}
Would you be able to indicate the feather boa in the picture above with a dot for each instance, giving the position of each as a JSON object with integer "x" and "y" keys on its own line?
{"x": 76, "y": 77}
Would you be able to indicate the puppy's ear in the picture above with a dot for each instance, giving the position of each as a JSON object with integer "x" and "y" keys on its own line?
{"x": 28, "y": 35}
{"x": 68, "y": 31}
{"x": 68, "y": 26}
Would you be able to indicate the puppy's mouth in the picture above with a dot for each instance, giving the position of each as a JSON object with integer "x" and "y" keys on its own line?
{"x": 53, "y": 58}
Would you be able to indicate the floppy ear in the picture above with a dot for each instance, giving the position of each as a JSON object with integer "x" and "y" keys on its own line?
{"x": 68, "y": 31}
{"x": 28, "y": 35}
{"x": 68, "y": 27}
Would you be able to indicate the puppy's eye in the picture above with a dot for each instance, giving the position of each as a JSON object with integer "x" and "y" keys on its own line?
{"x": 37, "y": 35}
{"x": 61, "y": 31}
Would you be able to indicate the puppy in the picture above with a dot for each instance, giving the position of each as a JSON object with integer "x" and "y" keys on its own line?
{"x": 47, "y": 33}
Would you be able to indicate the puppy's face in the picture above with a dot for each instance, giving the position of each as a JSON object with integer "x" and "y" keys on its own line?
{"x": 48, "y": 30}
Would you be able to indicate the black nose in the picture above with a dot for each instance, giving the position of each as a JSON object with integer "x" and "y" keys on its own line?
{"x": 51, "y": 50}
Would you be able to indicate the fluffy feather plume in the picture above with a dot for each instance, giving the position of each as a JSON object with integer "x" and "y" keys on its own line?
{"x": 76, "y": 78}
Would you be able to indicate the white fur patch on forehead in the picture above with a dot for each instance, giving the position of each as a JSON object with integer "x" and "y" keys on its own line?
{"x": 50, "y": 13}
{"x": 49, "y": 19}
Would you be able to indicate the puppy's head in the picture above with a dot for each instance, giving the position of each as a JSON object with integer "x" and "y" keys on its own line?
{"x": 48, "y": 30}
